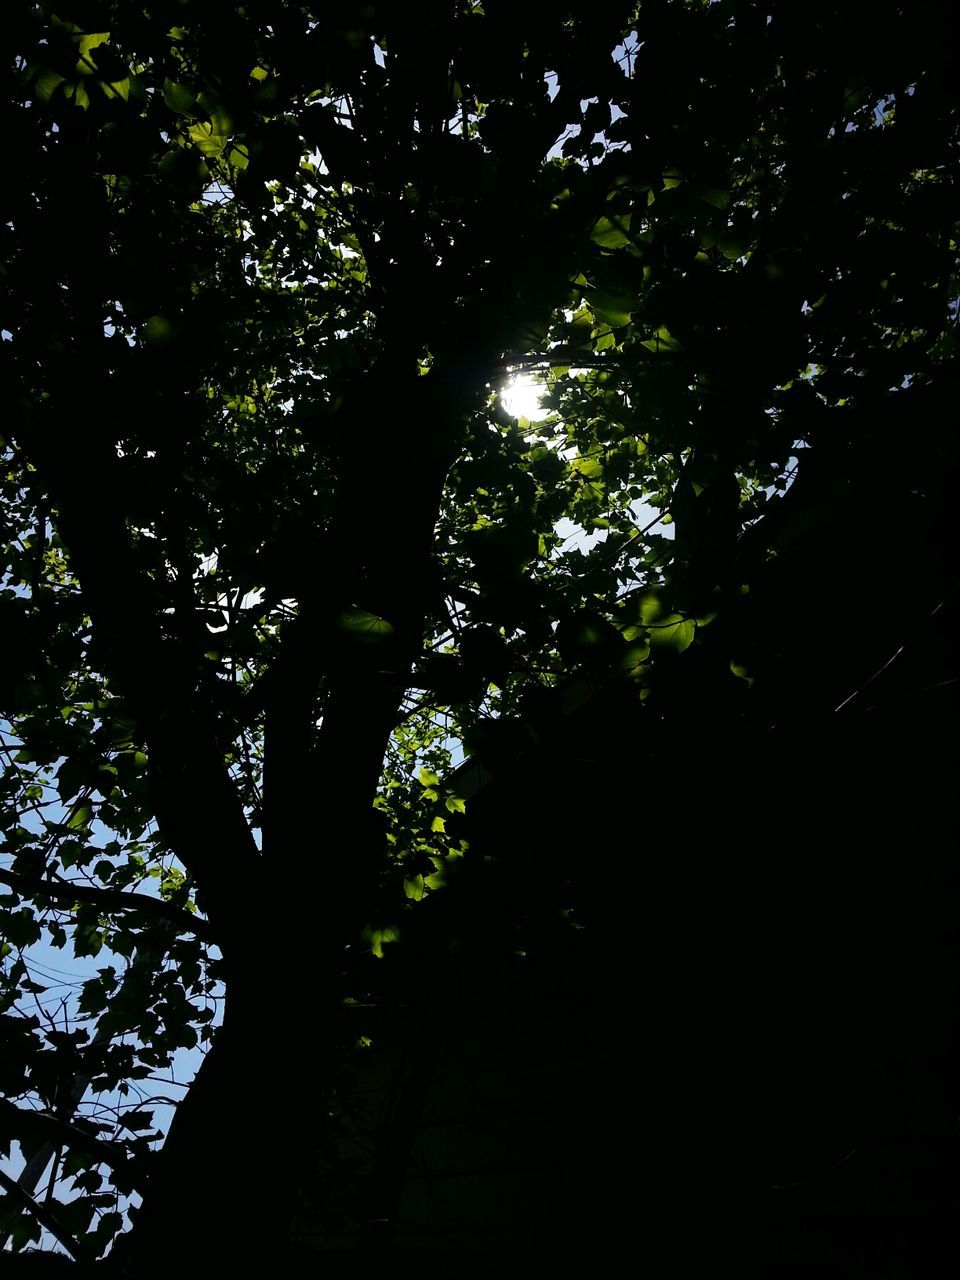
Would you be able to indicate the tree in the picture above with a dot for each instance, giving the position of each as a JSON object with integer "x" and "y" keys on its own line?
{"x": 274, "y": 548}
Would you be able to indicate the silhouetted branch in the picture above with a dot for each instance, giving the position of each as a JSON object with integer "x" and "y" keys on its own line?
{"x": 107, "y": 900}
{"x": 42, "y": 1213}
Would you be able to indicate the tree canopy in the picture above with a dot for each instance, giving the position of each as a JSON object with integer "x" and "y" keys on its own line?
{"x": 277, "y": 555}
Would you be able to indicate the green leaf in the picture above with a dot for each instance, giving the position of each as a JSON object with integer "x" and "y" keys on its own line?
{"x": 715, "y": 196}
{"x": 662, "y": 340}
{"x": 681, "y": 637}
{"x": 364, "y": 627}
{"x": 589, "y": 468}
{"x": 672, "y": 631}
{"x": 413, "y": 888}
{"x": 634, "y": 657}
{"x": 81, "y": 817}
{"x": 613, "y": 309}
{"x": 580, "y": 330}
{"x": 178, "y": 97}
{"x": 47, "y": 83}
{"x": 666, "y": 629}
{"x": 379, "y": 938}
{"x": 611, "y": 233}
{"x": 117, "y": 89}
{"x": 206, "y": 139}
{"x": 734, "y": 244}
{"x": 86, "y": 64}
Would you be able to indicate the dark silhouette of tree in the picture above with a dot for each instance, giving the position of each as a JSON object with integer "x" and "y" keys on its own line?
{"x": 274, "y": 549}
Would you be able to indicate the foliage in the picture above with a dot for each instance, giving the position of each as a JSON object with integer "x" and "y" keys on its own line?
{"x": 274, "y": 552}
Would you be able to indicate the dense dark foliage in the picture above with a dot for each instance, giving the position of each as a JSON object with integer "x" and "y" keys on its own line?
{"x": 273, "y": 549}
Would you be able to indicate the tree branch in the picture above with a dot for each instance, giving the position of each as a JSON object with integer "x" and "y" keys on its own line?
{"x": 198, "y": 810}
{"x": 45, "y": 1216}
{"x": 108, "y": 900}
{"x": 44, "y": 1126}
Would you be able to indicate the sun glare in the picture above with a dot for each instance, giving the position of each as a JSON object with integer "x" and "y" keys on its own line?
{"x": 522, "y": 396}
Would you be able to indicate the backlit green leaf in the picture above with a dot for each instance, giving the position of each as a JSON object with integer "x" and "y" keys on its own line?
{"x": 208, "y": 142}
{"x": 363, "y": 627}
{"x": 611, "y": 233}
{"x": 613, "y": 309}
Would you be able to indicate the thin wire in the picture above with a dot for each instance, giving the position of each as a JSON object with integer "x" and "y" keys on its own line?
{"x": 889, "y": 662}
{"x": 786, "y": 1186}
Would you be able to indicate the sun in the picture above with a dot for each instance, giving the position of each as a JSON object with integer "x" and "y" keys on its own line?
{"x": 521, "y": 398}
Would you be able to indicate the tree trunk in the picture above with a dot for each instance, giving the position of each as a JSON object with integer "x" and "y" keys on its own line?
{"x": 245, "y": 1137}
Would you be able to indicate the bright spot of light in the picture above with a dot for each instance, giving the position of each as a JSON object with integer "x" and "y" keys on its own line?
{"x": 521, "y": 398}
